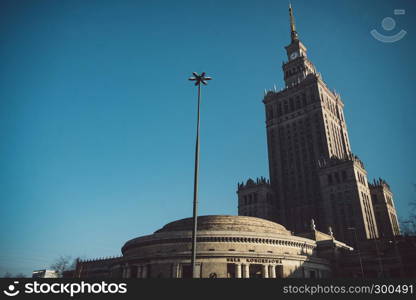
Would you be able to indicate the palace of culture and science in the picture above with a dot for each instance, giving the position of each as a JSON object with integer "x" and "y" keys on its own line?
{"x": 314, "y": 174}
{"x": 317, "y": 216}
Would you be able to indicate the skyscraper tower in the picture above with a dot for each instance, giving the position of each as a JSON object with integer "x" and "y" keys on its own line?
{"x": 384, "y": 209}
{"x": 313, "y": 172}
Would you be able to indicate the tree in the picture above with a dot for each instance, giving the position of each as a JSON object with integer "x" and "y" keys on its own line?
{"x": 10, "y": 275}
{"x": 408, "y": 226}
{"x": 74, "y": 263}
{"x": 61, "y": 264}
{"x": 64, "y": 263}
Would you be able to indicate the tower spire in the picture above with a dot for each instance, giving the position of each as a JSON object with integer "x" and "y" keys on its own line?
{"x": 293, "y": 33}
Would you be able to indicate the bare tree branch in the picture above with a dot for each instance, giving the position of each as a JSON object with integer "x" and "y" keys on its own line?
{"x": 61, "y": 264}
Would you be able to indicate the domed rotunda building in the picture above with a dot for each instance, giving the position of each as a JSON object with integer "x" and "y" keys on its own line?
{"x": 227, "y": 247}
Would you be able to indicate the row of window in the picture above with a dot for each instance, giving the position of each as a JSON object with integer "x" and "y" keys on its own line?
{"x": 289, "y": 105}
{"x": 376, "y": 200}
{"x": 249, "y": 199}
{"x": 389, "y": 201}
{"x": 290, "y": 141}
{"x": 387, "y": 225}
{"x": 361, "y": 178}
{"x": 304, "y": 67}
{"x": 339, "y": 138}
{"x": 300, "y": 101}
{"x": 294, "y": 70}
{"x": 333, "y": 108}
{"x": 336, "y": 177}
{"x": 395, "y": 224}
{"x": 369, "y": 216}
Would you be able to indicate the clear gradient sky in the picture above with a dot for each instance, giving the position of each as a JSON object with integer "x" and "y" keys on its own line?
{"x": 97, "y": 118}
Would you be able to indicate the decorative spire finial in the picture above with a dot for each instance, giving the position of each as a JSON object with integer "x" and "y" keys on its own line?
{"x": 313, "y": 226}
{"x": 331, "y": 233}
{"x": 293, "y": 33}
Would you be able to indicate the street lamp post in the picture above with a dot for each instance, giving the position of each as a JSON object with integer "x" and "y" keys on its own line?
{"x": 198, "y": 80}
{"x": 358, "y": 250}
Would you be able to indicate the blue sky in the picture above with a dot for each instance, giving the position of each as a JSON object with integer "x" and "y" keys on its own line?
{"x": 97, "y": 118}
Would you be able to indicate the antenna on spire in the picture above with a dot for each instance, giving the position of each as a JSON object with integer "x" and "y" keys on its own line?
{"x": 293, "y": 33}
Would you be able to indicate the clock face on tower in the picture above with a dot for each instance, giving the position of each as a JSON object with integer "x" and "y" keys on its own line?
{"x": 293, "y": 55}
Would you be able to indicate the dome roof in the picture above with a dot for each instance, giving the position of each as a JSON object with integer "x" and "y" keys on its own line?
{"x": 226, "y": 223}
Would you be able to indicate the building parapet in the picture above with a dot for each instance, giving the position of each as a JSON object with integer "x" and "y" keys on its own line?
{"x": 334, "y": 161}
{"x": 250, "y": 183}
{"x": 109, "y": 258}
{"x": 379, "y": 183}
{"x": 269, "y": 94}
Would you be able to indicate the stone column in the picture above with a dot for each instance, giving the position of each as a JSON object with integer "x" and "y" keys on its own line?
{"x": 175, "y": 270}
{"x": 272, "y": 271}
{"x": 265, "y": 271}
{"x": 123, "y": 272}
{"x": 144, "y": 271}
{"x": 237, "y": 270}
{"x": 139, "y": 271}
{"x": 246, "y": 273}
{"x": 128, "y": 271}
